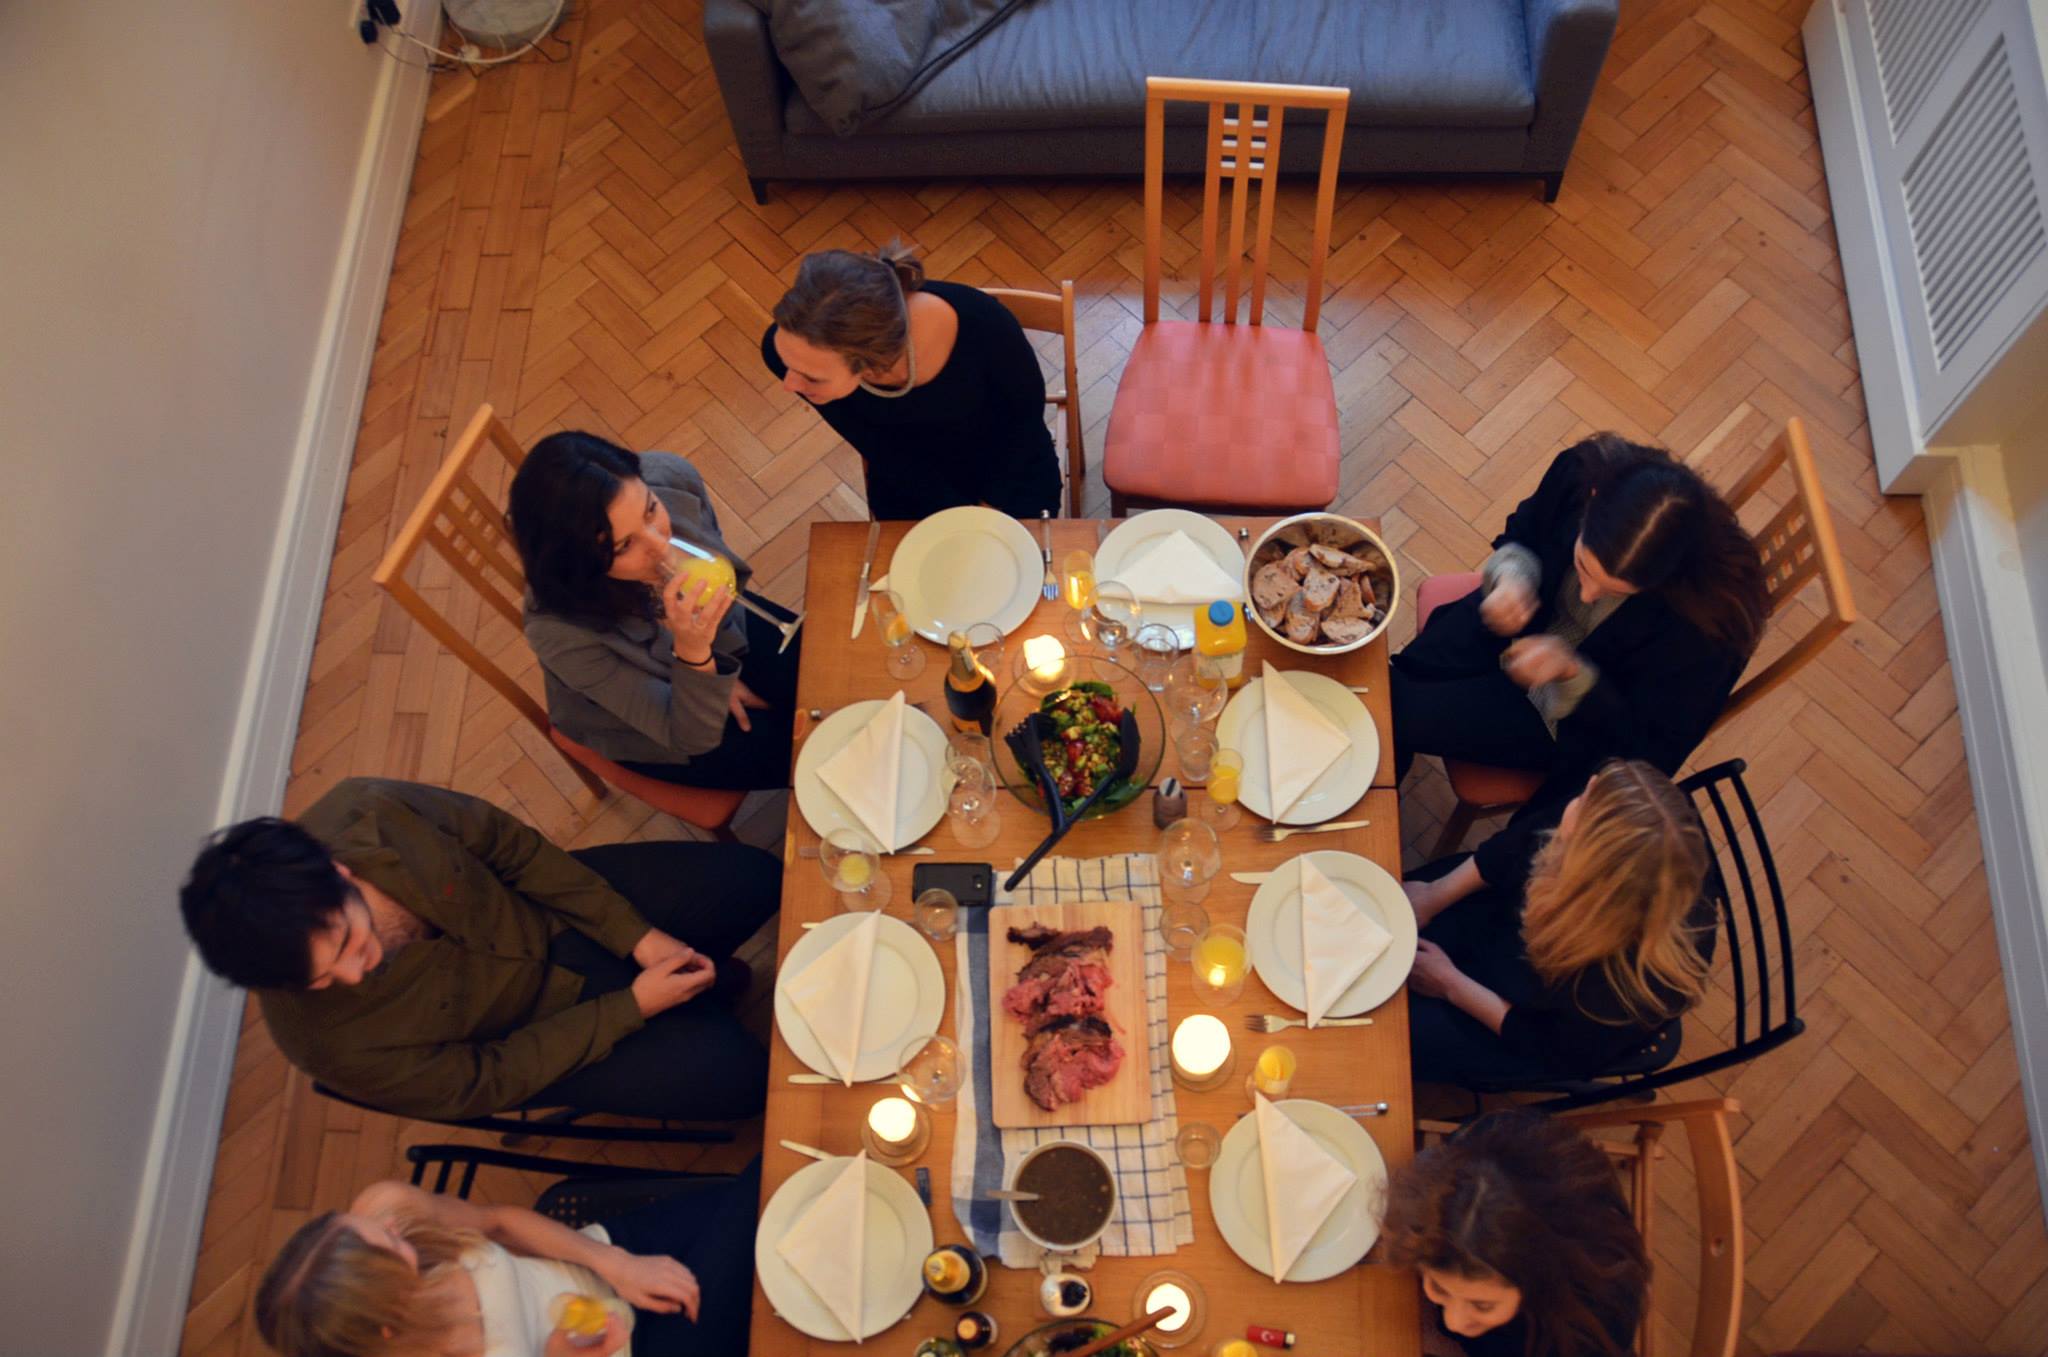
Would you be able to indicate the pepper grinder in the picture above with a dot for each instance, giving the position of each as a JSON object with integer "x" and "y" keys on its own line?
{"x": 1169, "y": 803}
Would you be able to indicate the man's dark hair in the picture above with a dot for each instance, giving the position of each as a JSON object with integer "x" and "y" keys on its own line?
{"x": 256, "y": 895}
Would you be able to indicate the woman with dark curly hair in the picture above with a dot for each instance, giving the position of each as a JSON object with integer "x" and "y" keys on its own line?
{"x": 647, "y": 666}
{"x": 1523, "y": 1243}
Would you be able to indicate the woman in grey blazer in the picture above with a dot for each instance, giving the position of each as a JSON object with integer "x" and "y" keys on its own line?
{"x": 652, "y": 669}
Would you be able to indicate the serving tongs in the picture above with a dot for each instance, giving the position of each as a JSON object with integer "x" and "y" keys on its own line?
{"x": 1027, "y": 742}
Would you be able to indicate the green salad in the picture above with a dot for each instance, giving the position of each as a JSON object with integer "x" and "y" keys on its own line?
{"x": 1084, "y": 753}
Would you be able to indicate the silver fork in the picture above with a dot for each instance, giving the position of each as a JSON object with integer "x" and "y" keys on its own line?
{"x": 1276, "y": 1022}
{"x": 1051, "y": 588}
{"x": 1275, "y": 834}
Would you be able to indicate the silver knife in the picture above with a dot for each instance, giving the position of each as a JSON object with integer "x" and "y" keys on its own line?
{"x": 812, "y": 1079}
{"x": 1251, "y": 878}
{"x": 867, "y": 563}
{"x": 811, "y": 1150}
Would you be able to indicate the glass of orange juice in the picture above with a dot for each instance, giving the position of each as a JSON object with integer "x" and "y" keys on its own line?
{"x": 906, "y": 661}
{"x": 1226, "y": 771}
{"x": 1272, "y": 1073}
{"x": 852, "y": 863}
{"x": 1220, "y": 963}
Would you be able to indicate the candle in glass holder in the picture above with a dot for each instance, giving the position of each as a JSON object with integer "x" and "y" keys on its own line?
{"x": 1169, "y": 1296}
{"x": 1219, "y": 963}
{"x": 1201, "y": 1049}
{"x": 897, "y": 1131}
{"x": 1042, "y": 663}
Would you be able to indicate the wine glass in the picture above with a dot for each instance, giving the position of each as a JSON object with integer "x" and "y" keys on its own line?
{"x": 966, "y": 749}
{"x": 906, "y": 661}
{"x": 929, "y": 1070}
{"x": 1154, "y": 649}
{"x": 1197, "y": 749}
{"x": 852, "y": 863}
{"x": 1077, "y": 579}
{"x": 1111, "y": 621}
{"x": 1226, "y": 774}
{"x": 985, "y": 639}
{"x": 971, "y": 805}
{"x": 1195, "y": 696}
{"x": 1181, "y": 922}
{"x": 1189, "y": 858}
{"x": 937, "y": 914}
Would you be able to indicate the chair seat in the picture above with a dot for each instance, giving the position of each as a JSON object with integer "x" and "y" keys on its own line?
{"x": 704, "y": 807}
{"x": 1483, "y": 787}
{"x": 1235, "y": 416}
{"x": 1476, "y": 784}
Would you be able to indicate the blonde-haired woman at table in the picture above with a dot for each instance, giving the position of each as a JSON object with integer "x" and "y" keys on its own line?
{"x": 404, "y": 1272}
{"x": 1567, "y": 973}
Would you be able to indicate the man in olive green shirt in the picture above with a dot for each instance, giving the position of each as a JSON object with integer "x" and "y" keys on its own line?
{"x": 426, "y": 953}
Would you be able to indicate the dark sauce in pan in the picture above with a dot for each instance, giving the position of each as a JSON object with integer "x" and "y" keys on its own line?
{"x": 1074, "y": 1195}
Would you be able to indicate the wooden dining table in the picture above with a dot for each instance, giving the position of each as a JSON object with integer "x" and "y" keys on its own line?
{"x": 1365, "y": 1311}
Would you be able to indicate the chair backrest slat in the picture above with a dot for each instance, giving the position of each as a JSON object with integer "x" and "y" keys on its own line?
{"x": 460, "y": 520}
{"x": 1053, "y": 313}
{"x": 1796, "y": 545}
{"x": 1242, "y": 143}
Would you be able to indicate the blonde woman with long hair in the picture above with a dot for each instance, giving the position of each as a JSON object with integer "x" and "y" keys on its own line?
{"x": 406, "y": 1273}
{"x": 1565, "y": 974}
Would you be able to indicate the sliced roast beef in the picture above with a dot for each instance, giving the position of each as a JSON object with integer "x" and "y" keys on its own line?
{"x": 1067, "y": 1057}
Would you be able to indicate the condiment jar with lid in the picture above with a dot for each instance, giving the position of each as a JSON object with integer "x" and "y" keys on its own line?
{"x": 1065, "y": 1294}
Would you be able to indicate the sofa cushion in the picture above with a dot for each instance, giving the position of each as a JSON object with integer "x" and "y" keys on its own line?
{"x": 1058, "y": 64}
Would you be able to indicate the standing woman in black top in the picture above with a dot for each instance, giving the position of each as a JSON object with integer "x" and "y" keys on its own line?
{"x": 932, "y": 383}
{"x": 1565, "y": 975}
{"x": 1621, "y": 603}
{"x": 1523, "y": 1242}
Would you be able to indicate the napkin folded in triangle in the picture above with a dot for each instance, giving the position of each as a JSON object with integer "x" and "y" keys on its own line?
{"x": 867, "y": 772}
{"x": 823, "y": 1245}
{"x": 1304, "y": 1183}
{"x": 832, "y": 993}
{"x": 1301, "y": 742}
{"x": 1338, "y": 940}
{"x": 1175, "y": 569}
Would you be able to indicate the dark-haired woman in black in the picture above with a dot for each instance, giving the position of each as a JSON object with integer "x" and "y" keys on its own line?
{"x": 1618, "y": 608}
{"x": 649, "y": 668}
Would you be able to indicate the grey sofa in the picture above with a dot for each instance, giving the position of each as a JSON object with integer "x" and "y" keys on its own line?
{"x": 1438, "y": 87}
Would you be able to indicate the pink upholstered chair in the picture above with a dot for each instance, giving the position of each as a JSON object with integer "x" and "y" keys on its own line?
{"x": 1216, "y": 414}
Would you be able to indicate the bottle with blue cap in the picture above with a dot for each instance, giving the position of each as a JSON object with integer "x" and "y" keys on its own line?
{"x": 1220, "y": 641}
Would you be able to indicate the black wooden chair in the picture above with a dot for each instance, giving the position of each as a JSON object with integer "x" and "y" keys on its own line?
{"x": 586, "y": 1192}
{"x": 561, "y": 1124}
{"x": 1758, "y": 939}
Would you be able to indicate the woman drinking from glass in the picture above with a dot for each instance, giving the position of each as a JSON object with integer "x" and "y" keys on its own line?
{"x": 643, "y": 655}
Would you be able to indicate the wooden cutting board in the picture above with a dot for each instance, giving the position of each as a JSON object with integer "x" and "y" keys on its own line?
{"x": 1124, "y": 1099}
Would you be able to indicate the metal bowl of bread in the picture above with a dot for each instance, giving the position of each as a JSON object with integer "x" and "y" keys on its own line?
{"x": 1321, "y": 583}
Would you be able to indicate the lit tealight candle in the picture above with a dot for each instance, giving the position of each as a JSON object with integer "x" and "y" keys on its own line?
{"x": 893, "y": 1120}
{"x": 1200, "y": 1045}
{"x": 1046, "y": 658}
{"x": 1169, "y": 1295}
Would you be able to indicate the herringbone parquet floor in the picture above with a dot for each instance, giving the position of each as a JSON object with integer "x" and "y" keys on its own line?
{"x": 580, "y": 250}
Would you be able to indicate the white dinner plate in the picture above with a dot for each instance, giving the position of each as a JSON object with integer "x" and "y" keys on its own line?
{"x": 1243, "y": 728}
{"x": 926, "y": 781}
{"x": 906, "y": 997}
{"x": 1133, "y": 537}
{"x": 966, "y": 565}
{"x": 1237, "y": 1193}
{"x": 1272, "y": 931}
{"x": 898, "y": 1236}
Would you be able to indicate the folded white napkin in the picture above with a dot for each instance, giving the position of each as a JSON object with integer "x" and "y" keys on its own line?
{"x": 867, "y": 772}
{"x": 832, "y": 993}
{"x": 1338, "y": 940}
{"x": 1304, "y": 1183}
{"x": 1301, "y": 742}
{"x": 1173, "y": 568}
{"x": 824, "y": 1244}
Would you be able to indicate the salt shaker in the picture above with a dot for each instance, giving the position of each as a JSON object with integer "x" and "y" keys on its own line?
{"x": 1169, "y": 803}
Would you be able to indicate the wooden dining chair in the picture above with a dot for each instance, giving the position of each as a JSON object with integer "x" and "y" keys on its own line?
{"x": 1797, "y": 545}
{"x": 1053, "y": 313}
{"x": 460, "y": 519}
{"x": 1214, "y": 413}
{"x": 1717, "y": 1193}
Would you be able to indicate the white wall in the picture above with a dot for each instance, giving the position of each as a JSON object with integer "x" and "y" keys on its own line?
{"x": 2026, "y": 476}
{"x": 180, "y": 193}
